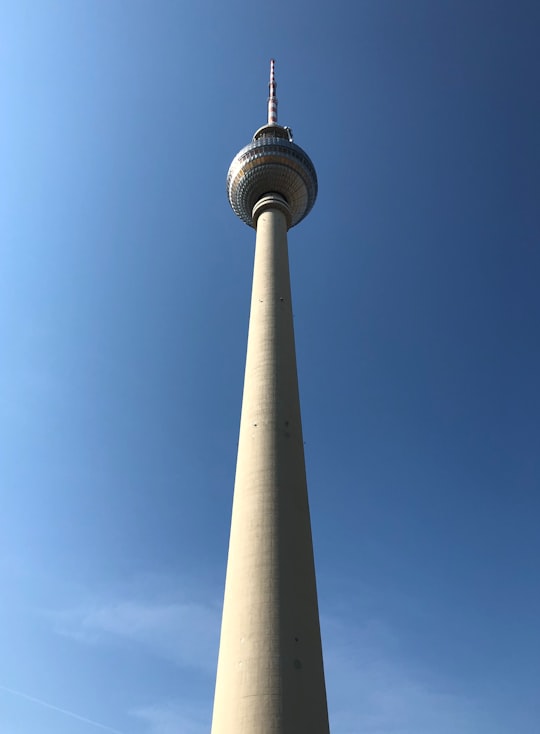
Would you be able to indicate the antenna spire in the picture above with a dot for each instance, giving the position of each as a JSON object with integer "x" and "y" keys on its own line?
{"x": 272, "y": 99}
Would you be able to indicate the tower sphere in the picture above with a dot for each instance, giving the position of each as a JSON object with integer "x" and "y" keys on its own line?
{"x": 272, "y": 164}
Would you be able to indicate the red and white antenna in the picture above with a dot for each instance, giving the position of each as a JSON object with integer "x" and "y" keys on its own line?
{"x": 272, "y": 99}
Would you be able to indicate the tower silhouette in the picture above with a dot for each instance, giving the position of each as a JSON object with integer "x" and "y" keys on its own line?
{"x": 270, "y": 677}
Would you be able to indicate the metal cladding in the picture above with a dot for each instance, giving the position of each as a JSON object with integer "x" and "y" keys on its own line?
{"x": 272, "y": 163}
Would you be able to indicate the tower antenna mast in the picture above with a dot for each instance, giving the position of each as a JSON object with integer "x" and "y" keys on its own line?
{"x": 272, "y": 98}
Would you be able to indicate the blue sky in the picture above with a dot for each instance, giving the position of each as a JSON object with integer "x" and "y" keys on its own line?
{"x": 124, "y": 297}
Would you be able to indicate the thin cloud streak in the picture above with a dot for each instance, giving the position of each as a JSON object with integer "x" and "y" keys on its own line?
{"x": 60, "y": 710}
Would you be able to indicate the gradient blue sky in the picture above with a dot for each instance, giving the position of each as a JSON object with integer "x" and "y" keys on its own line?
{"x": 124, "y": 296}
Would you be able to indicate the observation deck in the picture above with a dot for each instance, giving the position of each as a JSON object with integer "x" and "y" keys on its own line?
{"x": 272, "y": 164}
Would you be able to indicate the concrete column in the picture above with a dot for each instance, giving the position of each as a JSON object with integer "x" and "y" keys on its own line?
{"x": 270, "y": 677}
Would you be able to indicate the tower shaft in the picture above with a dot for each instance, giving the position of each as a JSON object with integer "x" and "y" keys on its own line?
{"x": 270, "y": 677}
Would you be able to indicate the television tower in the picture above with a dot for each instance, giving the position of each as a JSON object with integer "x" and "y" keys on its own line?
{"x": 270, "y": 677}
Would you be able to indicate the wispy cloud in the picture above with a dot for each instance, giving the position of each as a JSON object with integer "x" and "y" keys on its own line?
{"x": 59, "y": 709}
{"x": 372, "y": 690}
{"x": 172, "y": 718}
{"x": 184, "y": 632}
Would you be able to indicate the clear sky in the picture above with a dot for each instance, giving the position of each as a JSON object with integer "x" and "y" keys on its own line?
{"x": 124, "y": 297}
